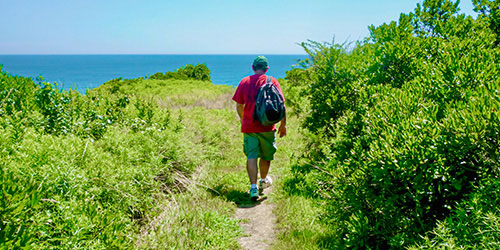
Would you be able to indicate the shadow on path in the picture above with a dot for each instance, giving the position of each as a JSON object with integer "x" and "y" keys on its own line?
{"x": 242, "y": 199}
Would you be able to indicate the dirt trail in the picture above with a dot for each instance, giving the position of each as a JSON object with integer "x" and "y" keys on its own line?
{"x": 258, "y": 222}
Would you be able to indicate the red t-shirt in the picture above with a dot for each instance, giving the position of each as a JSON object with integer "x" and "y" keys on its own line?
{"x": 246, "y": 93}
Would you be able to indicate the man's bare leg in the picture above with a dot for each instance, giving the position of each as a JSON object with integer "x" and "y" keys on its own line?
{"x": 252, "y": 170}
{"x": 264, "y": 168}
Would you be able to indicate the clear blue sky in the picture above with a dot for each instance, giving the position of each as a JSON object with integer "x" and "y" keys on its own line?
{"x": 188, "y": 26}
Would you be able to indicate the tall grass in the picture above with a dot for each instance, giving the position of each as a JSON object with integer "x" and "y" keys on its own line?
{"x": 112, "y": 168}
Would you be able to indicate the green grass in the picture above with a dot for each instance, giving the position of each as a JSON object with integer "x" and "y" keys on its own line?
{"x": 179, "y": 93}
{"x": 199, "y": 217}
{"x": 222, "y": 183}
{"x": 124, "y": 173}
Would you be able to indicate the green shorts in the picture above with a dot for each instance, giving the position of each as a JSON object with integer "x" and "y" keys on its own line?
{"x": 261, "y": 145}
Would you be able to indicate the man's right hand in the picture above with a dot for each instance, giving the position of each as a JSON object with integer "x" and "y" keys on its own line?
{"x": 282, "y": 130}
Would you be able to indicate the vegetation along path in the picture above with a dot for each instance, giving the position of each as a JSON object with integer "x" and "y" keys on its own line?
{"x": 398, "y": 148}
{"x": 220, "y": 183}
{"x": 152, "y": 163}
{"x": 213, "y": 208}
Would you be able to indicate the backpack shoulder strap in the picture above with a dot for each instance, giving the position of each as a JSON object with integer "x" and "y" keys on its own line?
{"x": 269, "y": 79}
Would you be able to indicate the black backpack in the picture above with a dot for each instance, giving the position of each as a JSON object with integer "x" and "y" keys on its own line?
{"x": 269, "y": 104}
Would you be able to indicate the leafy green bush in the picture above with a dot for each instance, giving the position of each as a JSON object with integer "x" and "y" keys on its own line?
{"x": 490, "y": 12}
{"x": 293, "y": 86}
{"x": 473, "y": 224}
{"x": 53, "y": 105}
{"x": 15, "y": 93}
{"x": 198, "y": 72}
{"x": 404, "y": 126}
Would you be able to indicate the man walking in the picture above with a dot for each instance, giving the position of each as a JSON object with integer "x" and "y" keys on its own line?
{"x": 259, "y": 141}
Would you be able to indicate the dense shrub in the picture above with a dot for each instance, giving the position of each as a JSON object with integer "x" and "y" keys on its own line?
{"x": 404, "y": 125}
{"x": 15, "y": 93}
{"x": 490, "y": 12}
{"x": 474, "y": 223}
{"x": 197, "y": 72}
{"x": 296, "y": 83}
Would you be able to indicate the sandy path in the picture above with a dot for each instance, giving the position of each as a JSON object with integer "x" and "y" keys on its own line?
{"x": 258, "y": 222}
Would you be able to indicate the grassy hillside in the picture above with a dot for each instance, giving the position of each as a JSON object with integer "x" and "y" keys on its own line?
{"x": 113, "y": 168}
{"x": 174, "y": 93}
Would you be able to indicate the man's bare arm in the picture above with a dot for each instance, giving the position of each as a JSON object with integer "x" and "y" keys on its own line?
{"x": 283, "y": 121}
{"x": 282, "y": 128}
{"x": 239, "y": 109}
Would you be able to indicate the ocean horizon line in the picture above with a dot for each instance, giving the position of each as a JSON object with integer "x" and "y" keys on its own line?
{"x": 91, "y": 70}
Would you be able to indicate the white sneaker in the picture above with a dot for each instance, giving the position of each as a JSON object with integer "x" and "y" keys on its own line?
{"x": 265, "y": 183}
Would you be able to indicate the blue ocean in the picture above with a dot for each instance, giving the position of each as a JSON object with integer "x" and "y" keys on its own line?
{"x": 89, "y": 71}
